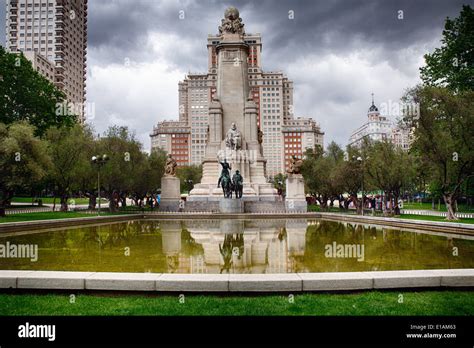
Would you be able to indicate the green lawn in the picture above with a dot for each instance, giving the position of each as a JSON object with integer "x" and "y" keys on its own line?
{"x": 317, "y": 208}
{"x": 427, "y": 206}
{"x": 365, "y": 303}
{"x": 50, "y": 200}
{"x": 434, "y": 218}
{"x": 45, "y": 216}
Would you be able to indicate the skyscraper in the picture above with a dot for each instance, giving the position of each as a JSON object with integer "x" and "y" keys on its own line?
{"x": 52, "y": 32}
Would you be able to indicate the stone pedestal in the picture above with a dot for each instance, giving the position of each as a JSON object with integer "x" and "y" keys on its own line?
{"x": 170, "y": 193}
{"x": 295, "y": 200}
{"x": 229, "y": 205}
{"x": 171, "y": 237}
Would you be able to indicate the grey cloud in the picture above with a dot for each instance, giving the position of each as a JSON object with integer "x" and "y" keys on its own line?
{"x": 120, "y": 29}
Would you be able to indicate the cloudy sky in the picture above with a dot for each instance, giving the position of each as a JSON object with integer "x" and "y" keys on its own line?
{"x": 337, "y": 52}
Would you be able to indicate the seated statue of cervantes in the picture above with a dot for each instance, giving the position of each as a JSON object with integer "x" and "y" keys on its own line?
{"x": 233, "y": 138}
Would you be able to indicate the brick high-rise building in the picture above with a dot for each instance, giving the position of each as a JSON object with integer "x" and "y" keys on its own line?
{"x": 173, "y": 137}
{"x": 299, "y": 135}
{"x": 56, "y": 30}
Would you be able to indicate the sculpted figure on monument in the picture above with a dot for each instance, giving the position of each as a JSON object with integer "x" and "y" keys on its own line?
{"x": 233, "y": 138}
{"x": 224, "y": 180}
{"x": 170, "y": 166}
{"x": 260, "y": 136}
{"x": 295, "y": 165}
{"x": 232, "y": 23}
{"x": 238, "y": 184}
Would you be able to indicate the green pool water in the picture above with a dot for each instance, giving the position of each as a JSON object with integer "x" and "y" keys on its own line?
{"x": 237, "y": 246}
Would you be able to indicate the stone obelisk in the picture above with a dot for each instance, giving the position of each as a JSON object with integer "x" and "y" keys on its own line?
{"x": 233, "y": 130}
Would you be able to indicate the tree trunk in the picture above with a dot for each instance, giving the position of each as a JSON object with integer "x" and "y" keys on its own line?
{"x": 397, "y": 207}
{"x": 323, "y": 201}
{"x": 123, "y": 200}
{"x": 2, "y": 208}
{"x": 5, "y": 198}
{"x": 64, "y": 206}
{"x": 385, "y": 204}
{"x": 357, "y": 203}
{"x": 449, "y": 201}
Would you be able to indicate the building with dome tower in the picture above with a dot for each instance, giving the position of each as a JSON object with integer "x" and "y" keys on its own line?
{"x": 380, "y": 128}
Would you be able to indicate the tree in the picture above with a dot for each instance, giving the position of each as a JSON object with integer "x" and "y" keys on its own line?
{"x": 321, "y": 170}
{"x": 352, "y": 175}
{"x": 452, "y": 65}
{"x": 123, "y": 173}
{"x": 70, "y": 150}
{"x": 443, "y": 138}
{"x": 24, "y": 160}
{"x": 391, "y": 169}
{"x": 279, "y": 182}
{"x": 26, "y": 95}
{"x": 188, "y": 176}
{"x": 152, "y": 172}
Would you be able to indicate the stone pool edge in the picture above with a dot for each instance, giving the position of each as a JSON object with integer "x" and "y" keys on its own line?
{"x": 433, "y": 226}
{"x": 229, "y": 283}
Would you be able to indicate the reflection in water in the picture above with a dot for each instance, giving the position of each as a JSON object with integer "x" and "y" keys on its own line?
{"x": 240, "y": 246}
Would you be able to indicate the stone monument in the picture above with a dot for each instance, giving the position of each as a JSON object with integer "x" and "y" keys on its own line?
{"x": 170, "y": 187}
{"x": 295, "y": 200}
{"x": 233, "y": 133}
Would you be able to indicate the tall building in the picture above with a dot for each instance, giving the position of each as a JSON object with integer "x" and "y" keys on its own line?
{"x": 173, "y": 137}
{"x": 380, "y": 128}
{"x": 298, "y": 135}
{"x": 195, "y": 95}
{"x": 272, "y": 92}
{"x": 53, "y": 31}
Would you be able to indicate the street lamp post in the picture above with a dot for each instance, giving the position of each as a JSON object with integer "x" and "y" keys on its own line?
{"x": 359, "y": 159}
{"x": 99, "y": 161}
{"x": 190, "y": 184}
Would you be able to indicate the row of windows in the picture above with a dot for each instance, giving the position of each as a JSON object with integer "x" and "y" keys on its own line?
{"x": 43, "y": 21}
{"x": 36, "y": 42}
{"x": 293, "y": 140}
{"x": 43, "y": 4}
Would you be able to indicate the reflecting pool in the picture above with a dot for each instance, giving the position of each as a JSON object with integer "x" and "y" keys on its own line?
{"x": 235, "y": 246}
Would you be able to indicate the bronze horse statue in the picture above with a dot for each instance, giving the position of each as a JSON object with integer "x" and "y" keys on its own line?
{"x": 226, "y": 183}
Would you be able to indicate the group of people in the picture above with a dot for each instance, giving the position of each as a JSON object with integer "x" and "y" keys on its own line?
{"x": 119, "y": 199}
{"x": 377, "y": 202}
